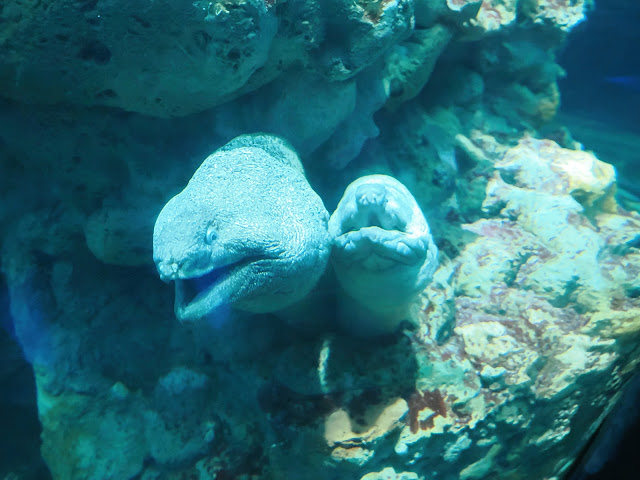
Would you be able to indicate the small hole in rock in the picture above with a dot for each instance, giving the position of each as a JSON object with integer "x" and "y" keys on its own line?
{"x": 108, "y": 93}
{"x": 95, "y": 51}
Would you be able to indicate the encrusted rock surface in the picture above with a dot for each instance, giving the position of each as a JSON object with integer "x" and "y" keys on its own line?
{"x": 164, "y": 58}
{"x": 563, "y": 13}
{"x": 173, "y": 58}
{"x": 518, "y": 315}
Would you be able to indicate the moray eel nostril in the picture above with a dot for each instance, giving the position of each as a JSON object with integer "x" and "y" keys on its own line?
{"x": 370, "y": 194}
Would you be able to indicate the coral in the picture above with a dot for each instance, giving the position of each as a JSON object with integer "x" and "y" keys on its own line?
{"x": 564, "y": 14}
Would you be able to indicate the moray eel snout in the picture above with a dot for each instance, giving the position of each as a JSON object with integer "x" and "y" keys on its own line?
{"x": 374, "y": 208}
{"x": 202, "y": 283}
{"x": 370, "y": 194}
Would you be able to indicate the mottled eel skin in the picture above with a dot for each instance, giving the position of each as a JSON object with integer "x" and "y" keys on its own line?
{"x": 383, "y": 252}
{"x": 247, "y": 231}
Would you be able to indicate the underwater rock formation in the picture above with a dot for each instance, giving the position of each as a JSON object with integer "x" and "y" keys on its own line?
{"x": 522, "y": 341}
{"x": 247, "y": 231}
{"x": 177, "y": 58}
{"x": 527, "y": 302}
{"x": 565, "y": 13}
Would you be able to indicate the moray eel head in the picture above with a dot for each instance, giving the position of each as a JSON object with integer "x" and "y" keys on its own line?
{"x": 247, "y": 231}
{"x": 383, "y": 253}
{"x": 205, "y": 259}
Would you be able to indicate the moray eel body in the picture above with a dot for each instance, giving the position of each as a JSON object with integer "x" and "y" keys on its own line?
{"x": 248, "y": 231}
{"x": 383, "y": 253}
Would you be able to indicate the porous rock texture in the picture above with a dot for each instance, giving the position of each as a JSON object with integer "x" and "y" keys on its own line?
{"x": 506, "y": 362}
{"x": 172, "y": 58}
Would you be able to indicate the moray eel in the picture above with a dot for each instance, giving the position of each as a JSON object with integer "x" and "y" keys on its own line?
{"x": 383, "y": 253}
{"x": 247, "y": 231}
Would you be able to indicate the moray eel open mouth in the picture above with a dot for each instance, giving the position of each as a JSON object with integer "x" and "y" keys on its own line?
{"x": 195, "y": 289}
{"x": 378, "y": 226}
{"x": 378, "y": 220}
{"x": 199, "y": 295}
{"x": 376, "y": 247}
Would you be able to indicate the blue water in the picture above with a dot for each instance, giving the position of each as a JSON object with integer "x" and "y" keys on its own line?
{"x": 601, "y": 64}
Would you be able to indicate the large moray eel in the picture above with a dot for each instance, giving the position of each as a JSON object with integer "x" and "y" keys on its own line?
{"x": 383, "y": 253}
{"x": 248, "y": 231}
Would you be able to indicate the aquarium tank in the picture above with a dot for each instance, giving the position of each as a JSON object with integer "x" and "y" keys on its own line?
{"x": 319, "y": 239}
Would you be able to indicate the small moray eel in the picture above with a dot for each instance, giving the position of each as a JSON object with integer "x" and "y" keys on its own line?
{"x": 247, "y": 231}
{"x": 383, "y": 253}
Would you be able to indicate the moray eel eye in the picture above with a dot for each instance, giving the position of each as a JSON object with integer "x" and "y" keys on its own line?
{"x": 212, "y": 234}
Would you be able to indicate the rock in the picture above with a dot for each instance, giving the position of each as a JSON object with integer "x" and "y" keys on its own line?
{"x": 491, "y": 15}
{"x": 97, "y": 435}
{"x": 302, "y": 107}
{"x": 169, "y": 59}
{"x": 368, "y": 29}
{"x": 576, "y": 173}
{"x": 390, "y": 474}
{"x": 350, "y": 135}
{"x": 165, "y": 59}
{"x": 508, "y": 358}
{"x": 114, "y": 236}
{"x": 410, "y": 63}
{"x": 338, "y": 426}
{"x": 565, "y": 14}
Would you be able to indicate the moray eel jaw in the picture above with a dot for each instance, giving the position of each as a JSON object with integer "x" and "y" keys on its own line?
{"x": 200, "y": 295}
{"x": 375, "y": 230}
{"x": 200, "y": 291}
